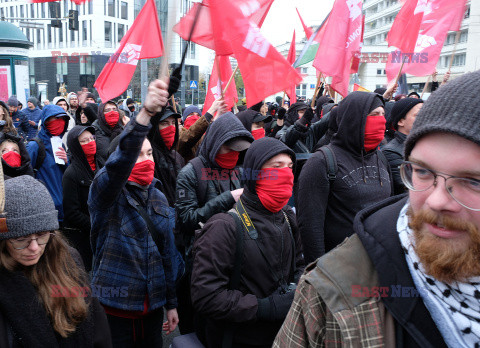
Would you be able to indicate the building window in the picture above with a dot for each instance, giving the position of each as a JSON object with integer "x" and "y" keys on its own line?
{"x": 124, "y": 10}
{"x": 72, "y": 37}
{"x": 86, "y": 66}
{"x": 192, "y": 50}
{"x": 49, "y": 33}
{"x": 301, "y": 90}
{"x": 120, "y": 32}
{"x": 379, "y": 71}
{"x": 464, "y": 36}
{"x": 110, "y": 8}
{"x": 38, "y": 36}
{"x": 32, "y": 14}
{"x": 459, "y": 59}
{"x": 90, "y": 7}
{"x": 108, "y": 32}
{"x": 42, "y": 6}
{"x": 84, "y": 33}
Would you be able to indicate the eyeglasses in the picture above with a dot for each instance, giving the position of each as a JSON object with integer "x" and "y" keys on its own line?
{"x": 464, "y": 191}
{"x": 87, "y": 140}
{"x": 23, "y": 242}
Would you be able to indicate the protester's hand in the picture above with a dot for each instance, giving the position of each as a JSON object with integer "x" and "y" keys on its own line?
{"x": 172, "y": 321}
{"x": 82, "y": 96}
{"x": 236, "y": 194}
{"x": 62, "y": 154}
{"x": 175, "y": 79}
{"x": 32, "y": 123}
{"x": 281, "y": 113}
{"x": 218, "y": 106}
{"x": 276, "y": 306}
{"x": 434, "y": 76}
{"x": 157, "y": 97}
{"x": 446, "y": 77}
{"x": 390, "y": 91}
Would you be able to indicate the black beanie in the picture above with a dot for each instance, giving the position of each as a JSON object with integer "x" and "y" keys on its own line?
{"x": 401, "y": 108}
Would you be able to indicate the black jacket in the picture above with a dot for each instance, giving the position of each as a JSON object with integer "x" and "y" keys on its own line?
{"x": 325, "y": 214}
{"x": 90, "y": 111}
{"x": 25, "y": 167}
{"x": 376, "y": 228}
{"x": 76, "y": 183}
{"x": 394, "y": 153}
{"x": 331, "y": 131}
{"x": 104, "y": 134}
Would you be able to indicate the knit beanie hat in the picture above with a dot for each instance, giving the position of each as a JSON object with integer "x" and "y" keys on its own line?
{"x": 29, "y": 208}
{"x": 33, "y": 100}
{"x": 12, "y": 101}
{"x": 190, "y": 109}
{"x": 401, "y": 108}
{"x": 90, "y": 95}
{"x": 453, "y": 108}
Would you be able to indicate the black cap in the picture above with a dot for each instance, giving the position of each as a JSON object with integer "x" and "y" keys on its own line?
{"x": 238, "y": 144}
{"x": 168, "y": 112}
{"x": 259, "y": 118}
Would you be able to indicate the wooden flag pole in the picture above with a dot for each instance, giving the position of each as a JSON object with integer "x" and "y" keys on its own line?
{"x": 425, "y": 87}
{"x": 316, "y": 91}
{"x": 400, "y": 71}
{"x": 230, "y": 80}
{"x": 457, "y": 38}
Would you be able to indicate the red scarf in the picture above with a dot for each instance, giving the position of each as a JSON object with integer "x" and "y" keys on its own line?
{"x": 190, "y": 121}
{"x": 112, "y": 118}
{"x": 142, "y": 173}
{"x": 13, "y": 159}
{"x": 90, "y": 149}
{"x": 274, "y": 188}
{"x": 56, "y": 126}
{"x": 227, "y": 160}
{"x": 168, "y": 135}
{"x": 374, "y": 132}
{"x": 258, "y": 133}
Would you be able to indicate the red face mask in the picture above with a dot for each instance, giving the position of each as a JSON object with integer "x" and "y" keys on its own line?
{"x": 168, "y": 136}
{"x": 227, "y": 160}
{"x": 189, "y": 121}
{"x": 13, "y": 159}
{"x": 112, "y": 118}
{"x": 90, "y": 149}
{"x": 274, "y": 187}
{"x": 56, "y": 126}
{"x": 374, "y": 132}
{"x": 142, "y": 173}
{"x": 258, "y": 133}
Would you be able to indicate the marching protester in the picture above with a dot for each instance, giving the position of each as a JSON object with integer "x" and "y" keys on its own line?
{"x": 243, "y": 290}
{"x": 403, "y": 115}
{"x": 254, "y": 122}
{"x": 44, "y": 296}
{"x": 191, "y": 113}
{"x": 348, "y": 176}
{"x": 6, "y": 123}
{"x": 332, "y": 128}
{"x": 49, "y": 162}
{"x": 15, "y": 157}
{"x": 76, "y": 183}
{"x": 33, "y": 113}
{"x": 72, "y": 101}
{"x": 107, "y": 127}
{"x": 87, "y": 115}
{"x": 410, "y": 272}
{"x": 132, "y": 236}
{"x": 209, "y": 184}
{"x": 20, "y": 121}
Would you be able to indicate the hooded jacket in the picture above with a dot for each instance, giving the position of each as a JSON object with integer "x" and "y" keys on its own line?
{"x": 20, "y": 122}
{"x": 76, "y": 185}
{"x": 394, "y": 153}
{"x": 281, "y": 261}
{"x": 168, "y": 163}
{"x": 326, "y": 212}
{"x": 32, "y": 115}
{"x": 104, "y": 134}
{"x": 25, "y": 167}
{"x": 332, "y": 129}
{"x": 320, "y": 103}
{"x": 50, "y": 173}
{"x": 90, "y": 111}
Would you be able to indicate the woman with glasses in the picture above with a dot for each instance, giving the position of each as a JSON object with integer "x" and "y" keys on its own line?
{"x": 76, "y": 185}
{"x": 44, "y": 296}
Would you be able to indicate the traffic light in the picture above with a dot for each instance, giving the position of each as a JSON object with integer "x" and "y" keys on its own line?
{"x": 73, "y": 19}
{"x": 54, "y": 8}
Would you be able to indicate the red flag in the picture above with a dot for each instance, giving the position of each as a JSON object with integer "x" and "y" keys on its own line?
{"x": 292, "y": 55}
{"x": 214, "y": 88}
{"x": 142, "y": 40}
{"x": 404, "y": 32}
{"x": 255, "y": 10}
{"x": 339, "y": 43}
{"x": 264, "y": 70}
{"x": 439, "y": 17}
{"x": 308, "y": 31}
{"x": 356, "y": 56}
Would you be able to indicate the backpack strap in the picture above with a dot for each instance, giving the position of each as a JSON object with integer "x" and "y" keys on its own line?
{"x": 201, "y": 184}
{"x": 332, "y": 166}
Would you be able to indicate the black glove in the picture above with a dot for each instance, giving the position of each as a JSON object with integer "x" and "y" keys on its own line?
{"x": 175, "y": 79}
{"x": 307, "y": 117}
{"x": 276, "y": 306}
{"x": 281, "y": 113}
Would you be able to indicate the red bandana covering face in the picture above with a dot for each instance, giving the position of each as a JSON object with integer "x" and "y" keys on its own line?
{"x": 112, "y": 118}
{"x": 90, "y": 149}
{"x": 142, "y": 173}
{"x": 13, "y": 159}
{"x": 374, "y": 132}
{"x": 258, "y": 133}
{"x": 168, "y": 136}
{"x": 56, "y": 126}
{"x": 274, "y": 188}
{"x": 190, "y": 120}
{"x": 227, "y": 160}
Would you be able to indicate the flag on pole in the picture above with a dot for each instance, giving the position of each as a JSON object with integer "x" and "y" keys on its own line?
{"x": 214, "y": 87}
{"x": 404, "y": 32}
{"x": 264, "y": 70}
{"x": 357, "y": 55}
{"x": 310, "y": 49}
{"x": 143, "y": 40}
{"x": 439, "y": 17}
{"x": 308, "y": 31}
{"x": 340, "y": 41}
{"x": 357, "y": 87}
{"x": 292, "y": 55}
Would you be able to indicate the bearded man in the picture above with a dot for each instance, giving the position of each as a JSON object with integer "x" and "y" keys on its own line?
{"x": 410, "y": 275}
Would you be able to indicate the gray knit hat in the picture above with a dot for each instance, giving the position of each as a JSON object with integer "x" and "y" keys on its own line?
{"x": 453, "y": 108}
{"x": 29, "y": 208}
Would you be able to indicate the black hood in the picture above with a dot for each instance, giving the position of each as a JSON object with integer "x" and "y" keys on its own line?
{"x": 292, "y": 113}
{"x": 333, "y": 121}
{"x": 352, "y": 115}
{"x": 112, "y": 133}
{"x": 90, "y": 111}
{"x": 320, "y": 102}
{"x": 75, "y": 149}
{"x": 225, "y": 128}
{"x": 25, "y": 166}
{"x": 248, "y": 116}
{"x": 260, "y": 152}
{"x": 154, "y": 134}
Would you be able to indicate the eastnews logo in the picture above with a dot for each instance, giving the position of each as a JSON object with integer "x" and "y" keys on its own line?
{"x": 84, "y": 291}
{"x": 385, "y": 291}
{"x": 246, "y": 174}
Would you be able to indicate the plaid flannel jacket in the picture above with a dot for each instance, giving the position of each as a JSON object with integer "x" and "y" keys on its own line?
{"x": 127, "y": 264}
{"x": 324, "y": 313}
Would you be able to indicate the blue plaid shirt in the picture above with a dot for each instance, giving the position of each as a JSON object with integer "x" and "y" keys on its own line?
{"x": 125, "y": 255}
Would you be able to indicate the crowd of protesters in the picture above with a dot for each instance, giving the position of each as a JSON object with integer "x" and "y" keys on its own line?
{"x": 283, "y": 225}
